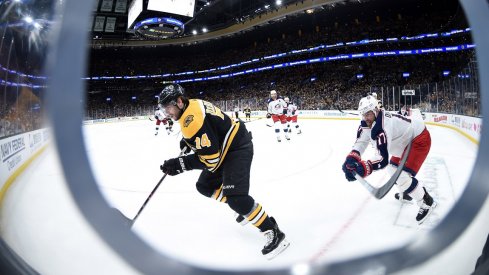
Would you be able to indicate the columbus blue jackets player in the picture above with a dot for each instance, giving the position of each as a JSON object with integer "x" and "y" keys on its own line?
{"x": 277, "y": 109}
{"x": 223, "y": 149}
{"x": 392, "y": 133}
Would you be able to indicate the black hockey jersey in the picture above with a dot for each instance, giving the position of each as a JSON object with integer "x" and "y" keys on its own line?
{"x": 211, "y": 134}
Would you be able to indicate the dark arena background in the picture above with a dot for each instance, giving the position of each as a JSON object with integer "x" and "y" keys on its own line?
{"x": 81, "y": 147}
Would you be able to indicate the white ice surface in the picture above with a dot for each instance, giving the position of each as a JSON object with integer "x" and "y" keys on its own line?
{"x": 299, "y": 182}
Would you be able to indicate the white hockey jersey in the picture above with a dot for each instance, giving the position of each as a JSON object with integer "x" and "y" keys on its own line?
{"x": 277, "y": 106}
{"x": 291, "y": 109}
{"x": 391, "y": 133}
{"x": 159, "y": 115}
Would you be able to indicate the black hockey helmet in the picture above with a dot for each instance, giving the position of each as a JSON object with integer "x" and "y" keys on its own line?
{"x": 170, "y": 94}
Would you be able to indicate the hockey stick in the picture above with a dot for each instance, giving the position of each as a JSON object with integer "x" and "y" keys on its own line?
{"x": 380, "y": 192}
{"x": 151, "y": 194}
{"x": 341, "y": 111}
{"x": 253, "y": 120}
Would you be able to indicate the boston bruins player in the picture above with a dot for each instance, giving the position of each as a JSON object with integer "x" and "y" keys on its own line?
{"x": 223, "y": 150}
{"x": 247, "y": 112}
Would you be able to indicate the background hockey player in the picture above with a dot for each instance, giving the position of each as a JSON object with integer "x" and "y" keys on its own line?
{"x": 247, "y": 112}
{"x": 223, "y": 149}
{"x": 405, "y": 111}
{"x": 379, "y": 101}
{"x": 161, "y": 118}
{"x": 236, "y": 112}
{"x": 276, "y": 110}
{"x": 392, "y": 134}
{"x": 292, "y": 116}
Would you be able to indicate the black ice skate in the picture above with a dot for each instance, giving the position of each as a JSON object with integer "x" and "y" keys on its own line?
{"x": 426, "y": 207}
{"x": 404, "y": 199}
{"x": 276, "y": 242}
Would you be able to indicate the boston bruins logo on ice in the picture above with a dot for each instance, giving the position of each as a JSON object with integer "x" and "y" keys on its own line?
{"x": 188, "y": 120}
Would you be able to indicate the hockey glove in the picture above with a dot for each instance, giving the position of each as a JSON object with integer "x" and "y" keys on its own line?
{"x": 349, "y": 164}
{"x": 363, "y": 168}
{"x": 184, "y": 147}
{"x": 349, "y": 174}
{"x": 354, "y": 164}
{"x": 269, "y": 115}
{"x": 175, "y": 166}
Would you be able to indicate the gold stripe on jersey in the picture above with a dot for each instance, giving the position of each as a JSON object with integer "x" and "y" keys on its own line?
{"x": 192, "y": 119}
{"x": 226, "y": 143}
{"x": 210, "y": 160}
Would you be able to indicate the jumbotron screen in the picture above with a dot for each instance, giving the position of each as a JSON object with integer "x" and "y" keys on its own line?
{"x": 180, "y": 7}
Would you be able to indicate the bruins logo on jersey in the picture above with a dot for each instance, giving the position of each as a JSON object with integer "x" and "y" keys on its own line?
{"x": 188, "y": 120}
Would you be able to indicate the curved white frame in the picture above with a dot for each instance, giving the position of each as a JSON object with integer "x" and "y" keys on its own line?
{"x": 65, "y": 112}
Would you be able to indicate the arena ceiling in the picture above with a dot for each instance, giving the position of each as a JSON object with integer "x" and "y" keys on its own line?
{"x": 213, "y": 15}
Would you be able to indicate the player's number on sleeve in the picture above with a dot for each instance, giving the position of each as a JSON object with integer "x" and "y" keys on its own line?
{"x": 202, "y": 141}
{"x": 381, "y": 139}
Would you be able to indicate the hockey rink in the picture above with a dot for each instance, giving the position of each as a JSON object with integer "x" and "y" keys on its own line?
{"x": 299, "y": 182}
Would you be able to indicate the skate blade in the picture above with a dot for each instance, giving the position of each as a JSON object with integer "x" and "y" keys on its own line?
{"x": 429, "y": 213}
{"x": 280, "y": 248}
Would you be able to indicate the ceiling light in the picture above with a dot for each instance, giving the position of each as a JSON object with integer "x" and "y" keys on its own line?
{"x": 28, "y": 19}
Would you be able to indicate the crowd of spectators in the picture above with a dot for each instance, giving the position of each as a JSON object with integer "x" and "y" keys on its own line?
{"x": 20, "y": 114}
{"x": 13, "y": 122}
{"x": 329, "y": 85}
